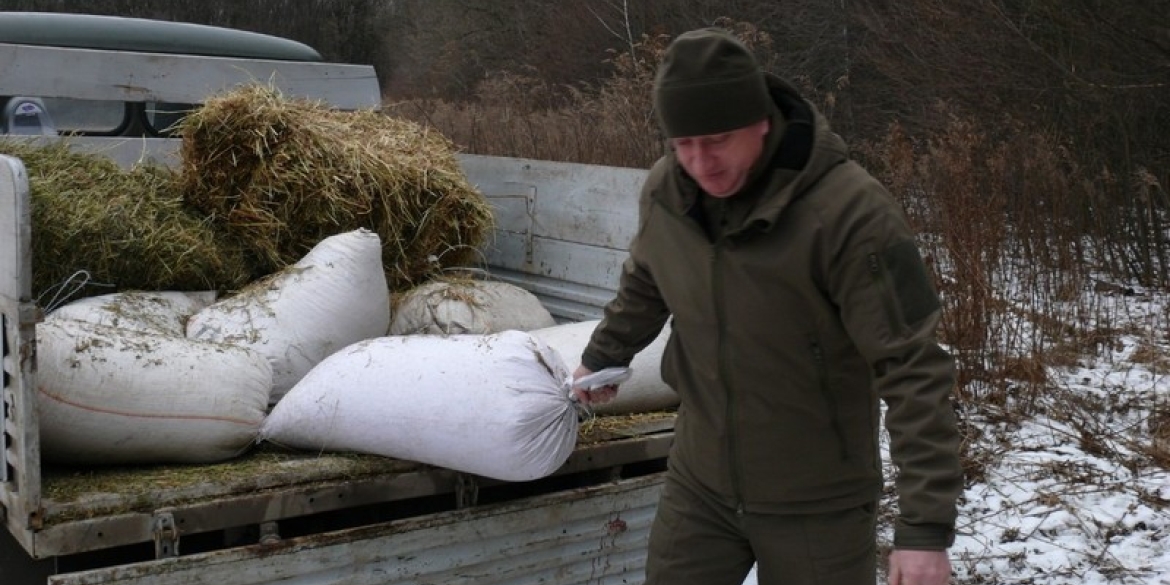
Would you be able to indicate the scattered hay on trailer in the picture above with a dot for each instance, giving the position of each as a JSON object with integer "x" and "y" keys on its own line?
{"x": 602, "y": 428}
{"x": 97, "y": 228}
{"x": 72, "y": 493}
{"x": 282, "y": 174}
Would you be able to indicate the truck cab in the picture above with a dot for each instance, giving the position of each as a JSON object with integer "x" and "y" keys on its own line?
{"x": 114, "y": 86}
{"x": 121, "y": 105}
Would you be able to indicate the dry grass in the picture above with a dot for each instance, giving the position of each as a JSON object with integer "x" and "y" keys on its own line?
{"x": 598, "y": 429}
{"x": 520, "y": 116}
{"x": 1153, "y": 357}
{"x": 1014, "y": 261}
{"x": 126, "y": 229}
{"x": 78, "y": 493}
{"x": 1158, "y": 427}
{"x": 280, "y": 175}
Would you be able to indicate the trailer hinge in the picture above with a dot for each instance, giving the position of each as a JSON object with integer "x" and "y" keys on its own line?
{"x": 466, "y": 491}
{"x": 166, "y": 535}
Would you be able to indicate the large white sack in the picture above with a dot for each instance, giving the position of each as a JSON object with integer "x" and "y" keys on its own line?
{"x": 157, "y": 312}
{"x": 643, "y": 392}
{"x": 335, "y": 296}
{"x": 491, "y": 405}
{"x": 468, "y": 307}
{"x": 116, "y": 396}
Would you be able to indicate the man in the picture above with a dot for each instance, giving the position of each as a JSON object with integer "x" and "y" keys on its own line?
{"x": 798, "y": 298}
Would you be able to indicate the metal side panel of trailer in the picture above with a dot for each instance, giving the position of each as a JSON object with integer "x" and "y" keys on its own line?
{"x": 20, "y": 481}
{"x": 563, "y": 230}
{"x": 594, "y": 535}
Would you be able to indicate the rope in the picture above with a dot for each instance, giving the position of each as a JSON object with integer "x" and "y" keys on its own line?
{"x": 64, "y": 291}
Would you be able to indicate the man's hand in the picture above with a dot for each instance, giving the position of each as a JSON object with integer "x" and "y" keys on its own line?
{"x": 919, "y": 567}
{"x": 595, "y": 396}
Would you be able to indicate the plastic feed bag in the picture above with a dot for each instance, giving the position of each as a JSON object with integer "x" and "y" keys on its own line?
{"x": 491, "y": 405}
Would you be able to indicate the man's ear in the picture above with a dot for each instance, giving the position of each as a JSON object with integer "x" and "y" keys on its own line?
{"x": 765, "y": 126}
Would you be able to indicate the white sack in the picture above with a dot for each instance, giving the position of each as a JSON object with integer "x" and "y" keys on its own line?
{"x": 643, "y": 392}
{"x": 473, "y": 307}
{"x": 156, "y": 312}
{"x": 335, "y": 296}
{"x": 115, "y": 396}
{"x": 490, "y": 405}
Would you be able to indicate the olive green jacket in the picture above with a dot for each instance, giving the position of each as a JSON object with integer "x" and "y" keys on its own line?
{"x": 788, "y": 325}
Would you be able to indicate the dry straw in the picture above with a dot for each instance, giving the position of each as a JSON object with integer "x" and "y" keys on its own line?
{"x": 74, "y": 493}
{"x": 280, "y": 175}
{"x": 128, "y": 229}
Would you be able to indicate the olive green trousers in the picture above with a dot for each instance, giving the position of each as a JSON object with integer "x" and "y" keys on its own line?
{"x": 695, "y": 540}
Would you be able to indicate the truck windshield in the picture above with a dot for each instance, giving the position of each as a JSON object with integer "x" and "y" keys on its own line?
{"x": 113, "y": 118}
{"x": 86, "y": 116}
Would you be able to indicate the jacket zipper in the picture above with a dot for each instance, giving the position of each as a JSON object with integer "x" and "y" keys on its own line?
{"x": 818, "y": 354}
{"x": 728, "y": 391}
{"x": 879, "y": 275}
{"x": 721, "y": 320}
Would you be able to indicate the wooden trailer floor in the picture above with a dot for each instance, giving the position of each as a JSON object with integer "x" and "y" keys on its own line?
{"x": 72, "y": 494}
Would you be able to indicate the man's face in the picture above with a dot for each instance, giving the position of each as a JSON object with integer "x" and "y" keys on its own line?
{"x": 720, "y": 162}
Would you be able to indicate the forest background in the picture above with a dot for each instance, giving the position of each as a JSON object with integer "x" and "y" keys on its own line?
{"x": 1027, "y": 140}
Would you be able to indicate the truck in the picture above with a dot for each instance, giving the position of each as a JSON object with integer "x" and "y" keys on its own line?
{"x": 115, "y": 86}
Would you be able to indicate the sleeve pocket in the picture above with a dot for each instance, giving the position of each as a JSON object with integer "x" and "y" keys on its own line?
{"x": 912, "y": 286}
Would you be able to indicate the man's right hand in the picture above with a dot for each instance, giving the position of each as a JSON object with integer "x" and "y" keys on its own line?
{"x": 919, "y": 567}
{"x": 596, "y": 395}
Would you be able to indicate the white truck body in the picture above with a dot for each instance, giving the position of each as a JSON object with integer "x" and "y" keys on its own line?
{"x": 319, "y": 518}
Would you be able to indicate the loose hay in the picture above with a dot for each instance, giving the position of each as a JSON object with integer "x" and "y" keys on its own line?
{"x": 75, "y": 494}
{"x": 281, "y": 175}
{"x": 598, "y": 429}
{"x": 128, "y": 229}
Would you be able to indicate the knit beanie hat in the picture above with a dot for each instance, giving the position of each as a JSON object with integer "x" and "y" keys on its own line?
{"x": 709, "y": 83}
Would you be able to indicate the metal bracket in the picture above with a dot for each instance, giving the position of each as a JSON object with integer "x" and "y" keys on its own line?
{"x": 505, "y": 197}
{"x": 466, "y": 491}
{"x": 30, "y": 313}
{"x": 166, "y": 535}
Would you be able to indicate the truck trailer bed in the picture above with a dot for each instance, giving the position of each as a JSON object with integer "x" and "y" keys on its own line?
{"x": 274, "y": 516}
{"x": 100, "y": 508}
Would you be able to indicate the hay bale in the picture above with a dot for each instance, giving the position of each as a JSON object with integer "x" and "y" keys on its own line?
{"x": 281, "y": 175}
{"x": 129, "y": 229}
